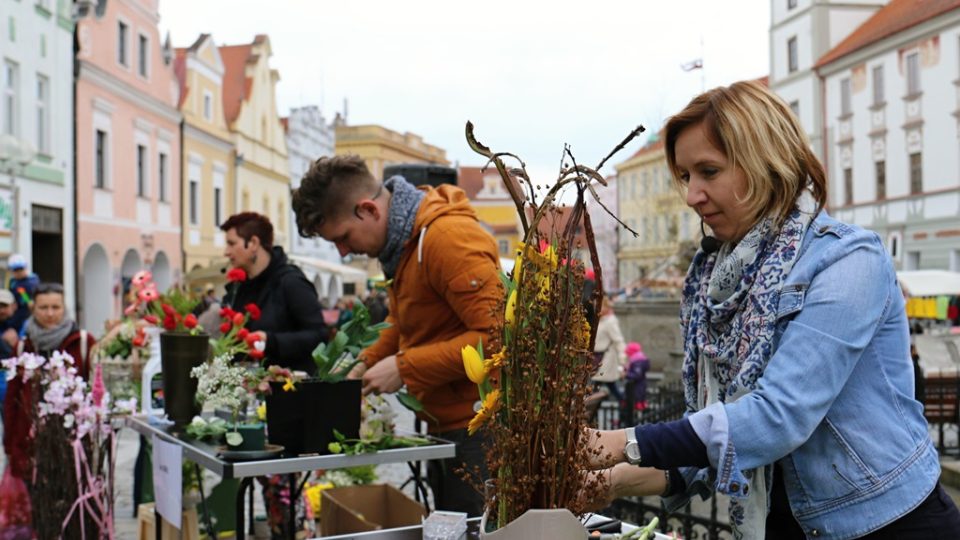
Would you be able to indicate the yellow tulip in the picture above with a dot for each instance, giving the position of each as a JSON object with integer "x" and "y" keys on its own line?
{"x": 262, "y": 411}
{"x": 473, "y": 364}
{"x": 518, "y": 263}
{"x": 511, "y": 307}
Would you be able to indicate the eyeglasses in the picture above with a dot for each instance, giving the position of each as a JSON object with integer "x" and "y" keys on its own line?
{"x": 46, "y": 288}
{"x": 356, "y": 207}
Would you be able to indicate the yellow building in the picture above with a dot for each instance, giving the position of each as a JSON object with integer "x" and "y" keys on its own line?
{"x": 250, "y": 110}
{"x": 381, "y": 147}
{"x": 651, "y": 205}
{"x": 208, "y": 154}
{"x": 495, "y": 208}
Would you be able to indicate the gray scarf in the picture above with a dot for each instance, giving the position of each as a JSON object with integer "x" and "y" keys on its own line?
{"x": 404, "y": 204}
{"x": 48, "y": 339}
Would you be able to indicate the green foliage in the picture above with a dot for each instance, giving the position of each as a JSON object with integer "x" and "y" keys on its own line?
{"x": 335, "y": 359}
{"x": 204, "y": 429}
{"x": 351, "y": 447}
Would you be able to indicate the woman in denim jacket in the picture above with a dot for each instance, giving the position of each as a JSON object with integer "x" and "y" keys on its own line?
{"x": 797, "y": 373}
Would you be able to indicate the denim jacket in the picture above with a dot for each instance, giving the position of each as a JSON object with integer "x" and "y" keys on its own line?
{"x": 835, "y": 405}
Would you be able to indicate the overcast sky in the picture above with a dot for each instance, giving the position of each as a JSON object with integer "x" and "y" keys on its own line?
{"x": 530, "y": 75}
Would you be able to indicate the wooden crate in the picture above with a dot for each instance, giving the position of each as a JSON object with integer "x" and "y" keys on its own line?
{"x": 189, "y": 524}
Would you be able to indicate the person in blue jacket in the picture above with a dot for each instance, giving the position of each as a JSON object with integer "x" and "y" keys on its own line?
{"x": 797, "y": 373}
{"x": 23, "y": 285}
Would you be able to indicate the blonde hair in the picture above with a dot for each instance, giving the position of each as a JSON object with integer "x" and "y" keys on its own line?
{"x": 759, "y": 134}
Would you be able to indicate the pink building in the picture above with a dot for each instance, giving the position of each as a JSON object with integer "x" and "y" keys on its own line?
{"x": 128, "y": 158}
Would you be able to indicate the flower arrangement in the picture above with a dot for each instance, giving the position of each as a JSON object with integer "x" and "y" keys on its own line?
{"x": 534, "y": 386}
{"x": 172, "y": 310}
{"x": 235, "y": 339}
{"x": 221, "y": 383}
{"x": 335, "y": 359}
{"x": 128, "y": 338}
{"x": 72, "y": 445}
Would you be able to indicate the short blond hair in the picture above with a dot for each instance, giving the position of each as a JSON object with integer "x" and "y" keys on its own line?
{"x": 759, "y": 134}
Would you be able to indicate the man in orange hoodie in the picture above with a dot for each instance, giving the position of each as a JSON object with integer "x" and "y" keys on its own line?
{"x": 444, "y": 295}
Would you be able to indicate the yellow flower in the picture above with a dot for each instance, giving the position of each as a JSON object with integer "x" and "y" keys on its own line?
{"x": 473, "y": 364}
{"x": 511, "y": 307}
{"x": 518, "y": 263}
{"x": 495, "y": 361}
{"x": 313, "y": 494}
{"x": 490, "y": 405}
{"x": 288, "y": 386}
{"x": 262, "y": 411}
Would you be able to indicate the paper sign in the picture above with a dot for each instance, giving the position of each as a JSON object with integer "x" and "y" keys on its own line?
{"x": 167, "y": 480}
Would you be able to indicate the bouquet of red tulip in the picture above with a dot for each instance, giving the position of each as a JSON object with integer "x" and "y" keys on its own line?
{"x": 235, "y": 338}
{"x": 172, "y": 310}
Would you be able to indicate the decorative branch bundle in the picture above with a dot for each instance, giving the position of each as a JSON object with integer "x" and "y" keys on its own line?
{"x": 534, "y": 388}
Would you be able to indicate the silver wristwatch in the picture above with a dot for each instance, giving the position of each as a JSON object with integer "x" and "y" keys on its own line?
{"x": 631, "y": 451}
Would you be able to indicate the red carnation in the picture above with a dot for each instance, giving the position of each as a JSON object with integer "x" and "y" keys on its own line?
{"x": 251, "y": 339}
{"x": 238, "y": 319}
{"x": 224, "y": 328}
{"x": 137, "y": 341}
{"x": 242, "y": 334}
{"x": 169, "y": 323}
{"x": 253, "y": 310}
{"x": 190, "y": 321}
{"x": 152, "y": 319}
{"x": 236, "y": 274}
{"x": 227, "y": 313}
{"x": 255, "y": 354}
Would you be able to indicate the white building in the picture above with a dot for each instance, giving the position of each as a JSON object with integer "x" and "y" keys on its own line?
{"x": 36, "y": 120}
{"x": 606, "y": 231}
{"x": 309, "y": 137}
{"x": 801, "y": 32}
{"x": 892, "y": 121}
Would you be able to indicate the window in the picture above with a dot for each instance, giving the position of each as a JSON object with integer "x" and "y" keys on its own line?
{"x": 208, "y": 105}
{"x": 893, "y": 245}
{"x": 916, "y": 173}
{"x": 848, "y": 186}
{"x": 143, "y": 55}
{"x": 162, "y": 169}
{"x": 43, "y": 114}
{"x": 349, "y": 289}
{"x": 792, "y": 61}
{"x": 503, "y": 246}
{"x": 878, "y": 85}
{"x": 194, "y": 203}
{"x": 11, "y": 82}
{"x": 795, "y": 107}
{"x": 913, "y": 74}
{"x": 141, "y": 170}
{"x": 791, "y": 4}
{"x": 881, "y": 171}
{"x": 217, "y": 206}
{"x": 100, "y": 167}
{"x": 122, "y": 31}
{"x": 845, "y": 97}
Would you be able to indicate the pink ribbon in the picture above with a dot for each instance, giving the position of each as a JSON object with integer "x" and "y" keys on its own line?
{"x": 95, "y": 501}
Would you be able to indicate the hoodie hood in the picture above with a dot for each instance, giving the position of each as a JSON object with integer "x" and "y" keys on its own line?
{"x": 445, "y": 200}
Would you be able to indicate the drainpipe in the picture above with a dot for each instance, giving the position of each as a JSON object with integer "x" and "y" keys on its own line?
{"x": 183, "y": 220}
{"x": 75, "y": 237}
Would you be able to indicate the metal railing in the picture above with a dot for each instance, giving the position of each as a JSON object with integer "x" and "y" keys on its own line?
{"x": 700, "y": 521}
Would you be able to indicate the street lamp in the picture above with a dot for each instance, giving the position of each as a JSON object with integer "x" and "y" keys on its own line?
{"x": 15, "y": 155}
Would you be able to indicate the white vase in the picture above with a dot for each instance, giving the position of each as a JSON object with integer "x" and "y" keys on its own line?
{"x": 553, "y": 524}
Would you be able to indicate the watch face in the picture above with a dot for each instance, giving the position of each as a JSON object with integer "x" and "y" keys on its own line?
{"x": 632, "y": 451}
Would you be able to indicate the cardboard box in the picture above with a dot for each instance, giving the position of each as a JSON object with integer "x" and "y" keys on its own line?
{"x": 356, "y": 509}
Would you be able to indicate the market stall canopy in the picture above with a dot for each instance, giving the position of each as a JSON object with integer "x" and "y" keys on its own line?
{"x": 312, "y": 266}
{"x": 929, "y": 282}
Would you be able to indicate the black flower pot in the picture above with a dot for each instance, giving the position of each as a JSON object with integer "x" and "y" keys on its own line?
{"x": 303, "y": 420}
{"x": 179, "y": 354}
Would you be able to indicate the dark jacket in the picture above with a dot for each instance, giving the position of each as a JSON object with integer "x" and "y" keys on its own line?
{"x": 17, "y": 418}
{"x": 290, "y": 312}
{"x": 29, "y": 287}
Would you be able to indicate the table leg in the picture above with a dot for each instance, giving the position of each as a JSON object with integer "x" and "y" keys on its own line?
{"x": 157, "y": 524}
{"x": 245, "y": 484}
{"x": 419, "y": 490}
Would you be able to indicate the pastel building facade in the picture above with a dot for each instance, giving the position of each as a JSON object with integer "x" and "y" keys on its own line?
{"x": 128, "y": 158}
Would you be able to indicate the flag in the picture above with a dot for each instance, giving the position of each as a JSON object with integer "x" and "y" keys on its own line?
{"x": 690, "y": 66}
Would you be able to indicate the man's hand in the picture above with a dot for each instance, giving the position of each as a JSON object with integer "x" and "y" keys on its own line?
{"x": 383, "y": 377}
{"x": 357, "y": 371}
{"x": 10, "y": 336}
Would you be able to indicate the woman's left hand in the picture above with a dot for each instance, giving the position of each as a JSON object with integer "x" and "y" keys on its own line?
{"x": 606, "y": 447}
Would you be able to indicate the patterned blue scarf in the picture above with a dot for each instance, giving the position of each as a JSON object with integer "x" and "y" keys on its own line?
{"x": 728, "y": 317}
{"x": 404, "y": 204}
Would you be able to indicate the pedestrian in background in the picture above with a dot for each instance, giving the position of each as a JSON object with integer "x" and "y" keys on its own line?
{"x": 23, "y": 285}
{"x": 609, "y": 351}
{"x": 637, "y": 367}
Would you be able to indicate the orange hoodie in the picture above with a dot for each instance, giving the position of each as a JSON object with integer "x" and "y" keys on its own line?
{"x": 444, "y": 296}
